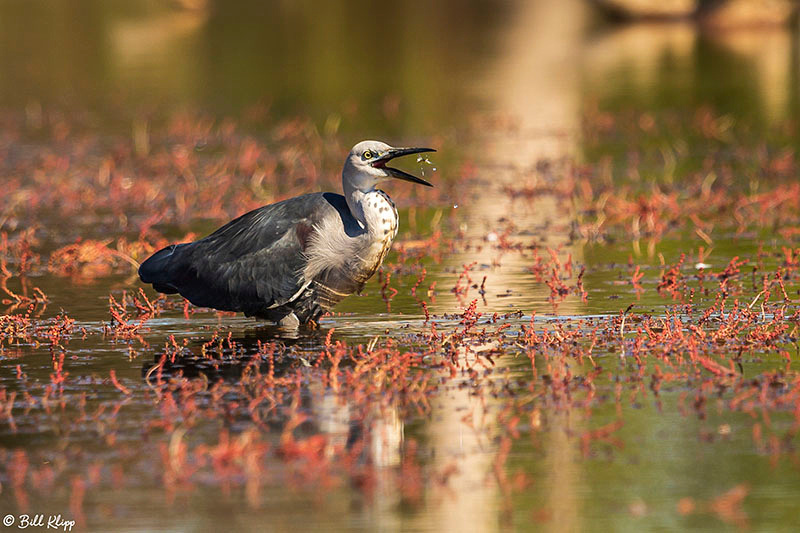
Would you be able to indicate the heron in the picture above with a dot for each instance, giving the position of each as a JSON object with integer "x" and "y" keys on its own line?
{"x": 292, "y": 261}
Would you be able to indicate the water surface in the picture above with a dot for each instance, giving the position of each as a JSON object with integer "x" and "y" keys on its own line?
{"x": 522, "y": 101}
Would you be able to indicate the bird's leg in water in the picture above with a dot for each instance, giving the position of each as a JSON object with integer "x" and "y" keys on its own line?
{"x": 289, "y": 321}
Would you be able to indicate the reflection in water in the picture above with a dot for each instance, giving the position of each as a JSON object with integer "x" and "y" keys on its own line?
{"x": 633, "y": 57}
{"x": 771, "y": 56}
{"x": 373, "y": 430}
{"x": 663, "y": 64}
{"x": 145, "y": 49}
{"x": 543, "y": 91}
{"x": 539, "y": 71}
{"x": 119, "y": 59}
{"x": 225, "y": 357}
{"x": 378, "y": 431}
{"x": 535, "y": 82}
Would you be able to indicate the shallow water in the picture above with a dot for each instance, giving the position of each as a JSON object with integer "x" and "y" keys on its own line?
{"x": 575, "y": 433}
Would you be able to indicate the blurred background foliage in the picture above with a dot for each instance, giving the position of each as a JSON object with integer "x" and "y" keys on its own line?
{"x": 387, "y": 67}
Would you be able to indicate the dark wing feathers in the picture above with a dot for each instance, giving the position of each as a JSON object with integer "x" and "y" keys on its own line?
{"x": 251, "y": 263}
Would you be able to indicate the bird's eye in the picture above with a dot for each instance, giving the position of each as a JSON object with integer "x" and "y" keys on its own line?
{"x": 368, "y": 154}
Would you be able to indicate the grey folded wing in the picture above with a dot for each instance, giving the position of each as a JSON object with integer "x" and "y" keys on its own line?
{"x": 251, "y": 264}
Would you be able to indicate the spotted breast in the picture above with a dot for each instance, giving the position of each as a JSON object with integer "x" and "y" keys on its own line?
{"x": 381, "y": 218}
{"x": 339, "y": 265}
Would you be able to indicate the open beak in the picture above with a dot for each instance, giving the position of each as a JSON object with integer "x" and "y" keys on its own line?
{"x": 399, "y": 174}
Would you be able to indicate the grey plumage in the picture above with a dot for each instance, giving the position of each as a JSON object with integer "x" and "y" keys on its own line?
{"x": 291, "y": 261}
{"x": 253, "y": 264}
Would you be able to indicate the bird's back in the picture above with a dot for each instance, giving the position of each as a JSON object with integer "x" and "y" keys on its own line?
{"x": 258, "y": 262}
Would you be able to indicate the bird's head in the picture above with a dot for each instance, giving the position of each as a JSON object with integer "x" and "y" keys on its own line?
{"x": 365, "y": 166}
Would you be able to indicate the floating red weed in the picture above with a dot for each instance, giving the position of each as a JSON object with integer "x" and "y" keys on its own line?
{"x": 117, "y": 384}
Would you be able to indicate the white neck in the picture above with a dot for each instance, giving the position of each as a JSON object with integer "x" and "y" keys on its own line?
{"x": 355, "y": 201}
{"x": 374, "y": 210}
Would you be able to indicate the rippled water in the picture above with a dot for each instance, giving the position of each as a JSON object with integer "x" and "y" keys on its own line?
{"x": 503, "y": 89}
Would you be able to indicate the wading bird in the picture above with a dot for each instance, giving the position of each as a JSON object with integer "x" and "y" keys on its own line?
{"x": 292, "y": 261}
